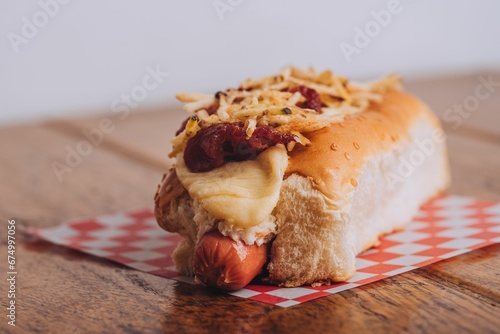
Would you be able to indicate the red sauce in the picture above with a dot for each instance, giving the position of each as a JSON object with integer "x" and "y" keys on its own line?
{"x": 312, "y": 97}
{"x": 212, "y": 147}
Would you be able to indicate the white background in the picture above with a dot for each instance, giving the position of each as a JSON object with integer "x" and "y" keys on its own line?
{"x": 90, "y": 52}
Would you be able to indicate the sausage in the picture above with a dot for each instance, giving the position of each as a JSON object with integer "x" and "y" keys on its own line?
{"x": 220, "y": 262}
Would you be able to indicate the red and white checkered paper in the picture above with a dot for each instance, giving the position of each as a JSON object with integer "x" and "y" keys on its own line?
{"x": 444, "y": 227}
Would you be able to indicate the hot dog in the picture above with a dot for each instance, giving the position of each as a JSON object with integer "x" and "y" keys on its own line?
{"x": 220, "y": 262}
{"x": 294, "y": 175}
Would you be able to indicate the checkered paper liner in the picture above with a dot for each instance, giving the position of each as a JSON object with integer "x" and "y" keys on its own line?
{"x": 444, "y": 227}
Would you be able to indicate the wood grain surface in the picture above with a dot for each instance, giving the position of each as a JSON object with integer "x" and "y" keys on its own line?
{"x": 64, "y": 291}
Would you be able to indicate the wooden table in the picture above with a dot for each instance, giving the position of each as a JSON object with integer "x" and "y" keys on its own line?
{"x": 64, "y": 291}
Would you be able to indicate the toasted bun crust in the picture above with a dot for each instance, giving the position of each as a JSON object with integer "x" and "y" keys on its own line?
{"x": 338, "y": 152}
{"x": 360, "y": 179}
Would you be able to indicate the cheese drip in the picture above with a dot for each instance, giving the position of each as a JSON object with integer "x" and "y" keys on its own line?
{"x": 241, "y": 193}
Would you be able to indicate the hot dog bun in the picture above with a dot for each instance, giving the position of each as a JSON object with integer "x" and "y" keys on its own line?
{"x": 337, "y": 203}
{"x": 358, "y": 180}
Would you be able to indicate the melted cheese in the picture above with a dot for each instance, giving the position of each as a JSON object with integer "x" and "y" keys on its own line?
{"x": 241, "y": 193}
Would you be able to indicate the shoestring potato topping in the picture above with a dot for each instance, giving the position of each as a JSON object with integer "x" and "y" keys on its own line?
{"x": 277, "y": 101}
